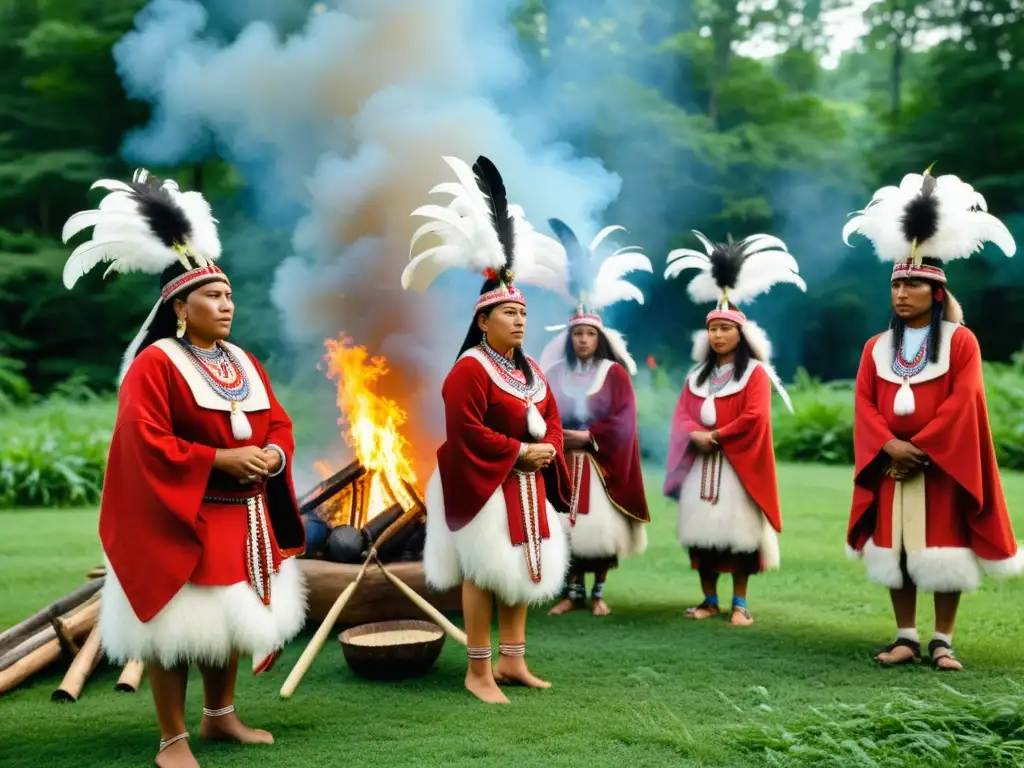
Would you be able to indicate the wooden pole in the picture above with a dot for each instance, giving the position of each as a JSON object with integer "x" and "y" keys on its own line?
{"x": 18, "y": 633}
{"x": 453, "y": 632}
{"x": 45, "y": 635}
{"x": 83, "y": 665}
{"x": 131, "y": 677}
{"x": 77, "y": 625}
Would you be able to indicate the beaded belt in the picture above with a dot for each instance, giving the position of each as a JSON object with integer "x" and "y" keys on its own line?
{"x": 259, "y": 557}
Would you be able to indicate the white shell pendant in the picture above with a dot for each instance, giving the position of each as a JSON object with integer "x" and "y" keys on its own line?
{"x": 708, "y": 414}
{"x": 240, "y": 426}
{"x": 904, "y": 404}
{"x": 535, "y": 422}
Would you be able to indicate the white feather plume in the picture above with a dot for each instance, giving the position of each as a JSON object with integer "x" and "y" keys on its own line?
{"x": 759, "y": 262}
{"x": 962, "y": 222}
{"x": 466, "y": 239}
{"x": 123, "y": 236}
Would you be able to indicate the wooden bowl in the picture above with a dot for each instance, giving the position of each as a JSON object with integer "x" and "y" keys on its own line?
{"x": 392, "y": 650}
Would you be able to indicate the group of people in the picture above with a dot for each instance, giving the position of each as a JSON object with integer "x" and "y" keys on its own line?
{"x": 538, "y": 481}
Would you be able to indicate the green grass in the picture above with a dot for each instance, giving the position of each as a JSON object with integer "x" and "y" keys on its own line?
{"x": 642, "y": 687}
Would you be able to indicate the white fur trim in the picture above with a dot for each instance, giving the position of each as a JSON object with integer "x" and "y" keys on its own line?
{"x": 553, "y": 352}
{"x": 853, "y": 554}
{"x": 881, "y": 354}
{"x": 883, "y": 565}
{"x": 204, "y": 624}
{"x": 1004, "y": 569}
{"x": 771, "y": 557}
{"x": 757, "y": 339}
{"x": 934, "y": 569}
{"x": 604, "y": 531}
{"x": 734, "y": 523}
{"x": 952, "y": 311}
{"x": 618, "y": 344}
{"x": 482, "y": 553}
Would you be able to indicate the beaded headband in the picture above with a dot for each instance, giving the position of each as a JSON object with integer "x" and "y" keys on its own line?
{"x": 908, "y": 271}
{"x": 585, "y": 318}
{"x": 732, "y": 315}
{"x": 205, "y": 274}
{"x": 501, "y": 295}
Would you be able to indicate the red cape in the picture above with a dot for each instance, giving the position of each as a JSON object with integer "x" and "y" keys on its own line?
{"x": 744, "y": 425}
{"x": 159, "y": 467}
{"x": 484, "y": 428}
{"x": 613, "y": 425}
{"x": 950, "y": 424}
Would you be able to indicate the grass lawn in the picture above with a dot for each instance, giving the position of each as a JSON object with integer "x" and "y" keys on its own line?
{"x": 643, "y": 685}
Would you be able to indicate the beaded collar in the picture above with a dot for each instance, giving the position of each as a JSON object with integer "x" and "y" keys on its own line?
{"x": 220, "y": 370}
{"x": 905, "y": 368}
{"x": 720, "y": 377}
{"x": 510, "y": 375}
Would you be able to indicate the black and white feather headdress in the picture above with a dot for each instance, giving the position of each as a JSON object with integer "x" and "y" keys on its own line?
{"x": 594, "y": 285}
{"x": 147, "y": 225}
{"x": 479, "y": 230}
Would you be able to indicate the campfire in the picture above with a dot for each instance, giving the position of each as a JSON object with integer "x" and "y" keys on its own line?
{"x": 358, "y": 502}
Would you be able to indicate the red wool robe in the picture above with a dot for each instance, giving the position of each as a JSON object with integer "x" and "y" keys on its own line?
{"x": 612, "y": 422}
{"x": 744, "y": 425}
{"x": 156, "y": 530}
{"x": 485, "y": 426}
{"x": 965, "y": 519}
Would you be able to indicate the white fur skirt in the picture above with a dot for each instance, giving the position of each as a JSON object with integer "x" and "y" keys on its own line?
{"x": 204, "y": 625}
{"x": 482, "y": 552}
{"x": 604, "y": 532}
{"x": 734, "y": 523}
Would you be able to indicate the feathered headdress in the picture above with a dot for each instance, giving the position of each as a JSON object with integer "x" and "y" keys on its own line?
{"x": 926, "y": 217}
{"x": 147, "y": 225}
{"x": 480, "y": 231}
{"x": 594, "y": 285}
{"x": 734, "y": 273}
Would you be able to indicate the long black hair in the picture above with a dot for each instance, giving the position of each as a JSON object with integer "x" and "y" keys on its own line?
{"x": 603, "y": 352}
{"x": 474, "y": 335}
{"x": 741, "y": 357}
{"x": 938, "y": 311}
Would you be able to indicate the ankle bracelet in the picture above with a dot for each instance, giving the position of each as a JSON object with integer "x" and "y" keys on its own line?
{"x": 165, "y": 743}
{"x": 479, "y": 651}
{"x": 219, "y": 712}
{"x": 507, "y": 649}
{"x": 597, "y": 591}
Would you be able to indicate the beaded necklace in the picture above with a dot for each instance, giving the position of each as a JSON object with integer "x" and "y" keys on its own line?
{"x": 220, "y": 369}
{"x": 905, "y": 368}
{"x": 510, "y": 374}
{"x": 720, "y": 377}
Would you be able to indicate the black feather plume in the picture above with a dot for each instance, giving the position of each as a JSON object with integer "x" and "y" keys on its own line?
{"x": 165, "y": 217}
{"x": 491, "y": 185}
{"x": 580, "y": 268}
{"x": 920, "y": 219}
{"x": 726, "y": 264}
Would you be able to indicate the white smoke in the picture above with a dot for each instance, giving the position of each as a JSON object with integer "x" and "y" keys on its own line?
{"x": 347, "y": 120}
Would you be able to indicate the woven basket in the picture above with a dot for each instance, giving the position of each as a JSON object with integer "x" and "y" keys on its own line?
{"x": 392, "y": 650}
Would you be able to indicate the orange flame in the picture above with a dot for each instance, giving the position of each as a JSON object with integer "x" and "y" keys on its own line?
{"x": 373, "y": 423}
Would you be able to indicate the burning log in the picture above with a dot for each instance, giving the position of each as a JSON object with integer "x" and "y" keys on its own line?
{"x": 131, "y": 677}
{"x": 30, "y": 626}
{"x": 80, "y": 670}
{"x": 77, "y": 625}
{"x": 330, "y": 487}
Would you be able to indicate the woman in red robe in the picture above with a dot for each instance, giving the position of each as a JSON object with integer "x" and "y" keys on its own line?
{"x": 721, "y": 461}
{"x": 198, "y": 519}
{"x": 501, "y": 475}
{"x": 928, "y": 508}
{"x": 589, "y": 368}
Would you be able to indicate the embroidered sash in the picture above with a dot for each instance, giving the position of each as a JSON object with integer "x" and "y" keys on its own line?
{"x": 579, "y": 500}
{"x": 526, "y": 507}
{"x": 259, "y": 553}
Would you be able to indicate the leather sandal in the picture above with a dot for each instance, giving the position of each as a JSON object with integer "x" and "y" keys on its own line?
{"x": 936, "y": 645}
{"x": 901, "y": 642}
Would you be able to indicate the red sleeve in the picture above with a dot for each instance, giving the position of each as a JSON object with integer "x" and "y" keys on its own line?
{"x": 153, "y": 487}
{"x": 618, "y": 447}
{"x": 680, "y": 452}
{"x": 557, "y": 484}
{"x": 474, "y": 460}
{"x": 747, "y": 444}
{"x": 870, "y": 429}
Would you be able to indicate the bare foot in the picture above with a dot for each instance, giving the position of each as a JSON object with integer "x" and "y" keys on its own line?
{"x": 601, "y": 608}
{"x": 703, "y": 611}
{"x": 230, "y": 728}
{"x": 741, "y": 617}
{"x": 485, "y": 689}
{"x": 177, "y": 755}
{"x": 563, "y": 606}
{"x": 509, "y": 672}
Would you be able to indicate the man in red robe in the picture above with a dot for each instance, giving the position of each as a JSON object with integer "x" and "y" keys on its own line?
{"x": 928, "y": 509}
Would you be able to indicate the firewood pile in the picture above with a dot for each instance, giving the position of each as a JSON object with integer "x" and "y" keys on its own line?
{"x": 65, "y": 632}
{"x": 348, "y": 511}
